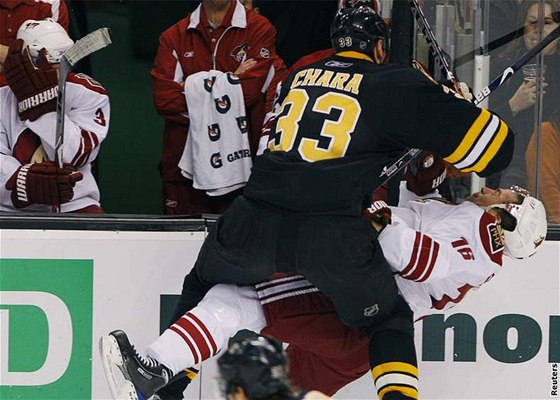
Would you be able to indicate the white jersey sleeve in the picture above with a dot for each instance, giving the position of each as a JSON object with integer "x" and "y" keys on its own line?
{"x": 86, "y": 121}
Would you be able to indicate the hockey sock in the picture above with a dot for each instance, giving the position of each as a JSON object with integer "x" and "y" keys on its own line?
{"x": 193, "y": 338}
{"x": 393, "y": 365}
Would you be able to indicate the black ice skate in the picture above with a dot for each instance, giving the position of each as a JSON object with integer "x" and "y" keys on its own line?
{"x": 143, "y": 376}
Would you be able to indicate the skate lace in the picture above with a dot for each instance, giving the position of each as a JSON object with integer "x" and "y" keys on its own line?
{"x": 147, "y": 361}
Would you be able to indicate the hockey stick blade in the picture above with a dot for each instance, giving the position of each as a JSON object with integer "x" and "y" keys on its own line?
{"x": 512, "y": 69}
{"x": 87, "y": 45}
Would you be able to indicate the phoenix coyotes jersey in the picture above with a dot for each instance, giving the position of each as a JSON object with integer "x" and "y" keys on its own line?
{"x": 85, "y": 126}
{"x": 439, "y": 251}
{"x": 342, "y": 120}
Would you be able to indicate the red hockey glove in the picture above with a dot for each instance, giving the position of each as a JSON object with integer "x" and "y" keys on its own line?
{"x": 425, "y": 173}
{"x": 36, "y": 88}
{"x": 378, "y": 213}
{"x": 42, "y": 183}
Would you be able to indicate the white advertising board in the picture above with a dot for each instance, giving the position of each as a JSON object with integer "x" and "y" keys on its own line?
{"x": 61, "y": 290}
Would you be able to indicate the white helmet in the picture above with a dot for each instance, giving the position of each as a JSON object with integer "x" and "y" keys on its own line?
{"x": 531, "y": 227}
{"x": 47, "y": 34}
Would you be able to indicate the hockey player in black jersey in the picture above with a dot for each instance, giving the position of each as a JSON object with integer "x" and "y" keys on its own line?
{"x": 257, "y": 369}
{"x": 340, "y": 123}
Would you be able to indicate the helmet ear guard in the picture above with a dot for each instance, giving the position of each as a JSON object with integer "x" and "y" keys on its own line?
{"x": 531, "y": 227}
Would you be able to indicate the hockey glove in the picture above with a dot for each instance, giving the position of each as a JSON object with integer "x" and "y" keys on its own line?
{"x": 425, "y": 173}
{"x": 36, "y": 88}
{"x": 42, "y": 183}
{"x": 379, "y": 214}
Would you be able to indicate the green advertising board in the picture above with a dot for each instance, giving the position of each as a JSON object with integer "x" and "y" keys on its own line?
{"x": 46, "y": 311}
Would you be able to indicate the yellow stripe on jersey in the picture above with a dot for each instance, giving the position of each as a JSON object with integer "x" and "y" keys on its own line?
{"x": 491, "y": 151}
{"x": 470, "y": 138}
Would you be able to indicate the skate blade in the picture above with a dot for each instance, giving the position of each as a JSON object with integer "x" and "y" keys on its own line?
{"x": 112, "y": 361}
{"x": 127, "y": 392}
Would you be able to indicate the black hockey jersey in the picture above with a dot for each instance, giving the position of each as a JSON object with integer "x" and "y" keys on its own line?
{"x": 344, "y": 119}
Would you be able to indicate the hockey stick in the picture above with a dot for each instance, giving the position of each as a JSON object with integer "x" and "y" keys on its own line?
{"x": 436, "y": 50}
{"x": 389, "y": 172}
{"x": 513, "y": 68}
{"x": 85, "y": 46}
{"x": 494, "y": 44}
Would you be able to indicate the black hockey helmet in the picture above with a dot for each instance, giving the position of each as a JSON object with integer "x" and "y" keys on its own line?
{"x": 258, "y": 365}
{"x": 358, "y": 28}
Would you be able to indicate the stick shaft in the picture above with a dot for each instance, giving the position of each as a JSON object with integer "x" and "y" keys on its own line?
{"x": 513, "y": 68}
{"x": 85, "y": 46}
{"x": 437, "y": 51}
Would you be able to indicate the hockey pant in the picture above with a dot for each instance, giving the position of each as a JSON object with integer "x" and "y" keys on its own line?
{"x": 324, "y": 354}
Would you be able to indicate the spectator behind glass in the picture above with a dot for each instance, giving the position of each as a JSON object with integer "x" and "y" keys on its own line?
{"x": 219, "y": 35}
{"x": 515, "y": 100}
{"x": 14, "y": 12}
{"x": 547, "y": 152}
{"x": 30, "y": 181}
{"x": 503, "y": 19}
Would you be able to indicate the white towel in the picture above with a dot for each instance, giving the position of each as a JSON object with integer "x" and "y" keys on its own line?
{"x": 217, "y": 157}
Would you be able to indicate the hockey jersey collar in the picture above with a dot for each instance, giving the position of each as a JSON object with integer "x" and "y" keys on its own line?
{"x": 238, "y": 18}
{"x": 354, "y": 54}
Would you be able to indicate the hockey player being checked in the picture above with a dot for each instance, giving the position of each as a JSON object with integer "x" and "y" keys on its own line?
{"x": 437, "y": 251}
{"x": 31, "y": 180}
{"x": 341, "y": 122}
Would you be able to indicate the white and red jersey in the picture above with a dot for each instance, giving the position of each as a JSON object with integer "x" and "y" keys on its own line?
{"x": 439, "y": 251}
{"x": 86, "y": 124}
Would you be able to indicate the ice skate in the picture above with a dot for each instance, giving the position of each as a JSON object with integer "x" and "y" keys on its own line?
{"x": 143, "y": 376}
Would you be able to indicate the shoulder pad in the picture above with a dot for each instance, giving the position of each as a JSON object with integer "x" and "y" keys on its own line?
{"x": 88, "y": 82}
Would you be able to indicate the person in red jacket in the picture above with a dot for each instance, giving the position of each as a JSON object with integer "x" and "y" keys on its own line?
{"x": 14, "y": 12}
{"x": 219, "y": 35}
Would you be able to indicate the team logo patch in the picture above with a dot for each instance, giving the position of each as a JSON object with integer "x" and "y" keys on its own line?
{"x": 240, "y": 52}
{"x": 216, "y": 160}
{"x": 242, "y": 124}
{"x": 223, "y": 104}
{"x": 208, "y": 83}
{"x": 492, "y": 237}
{"x": 214, "y": 132}
{"x": 371, "y": 310}
{"x": 188, "y": 54}
{"x": 234, "y": 80}
{"x": 265, "y": 53}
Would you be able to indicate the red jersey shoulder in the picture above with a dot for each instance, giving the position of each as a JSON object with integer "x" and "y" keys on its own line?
{"x": 311, "y": 59}
{"x": 492, "y": 237}
{"x": 88, "y": 82}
